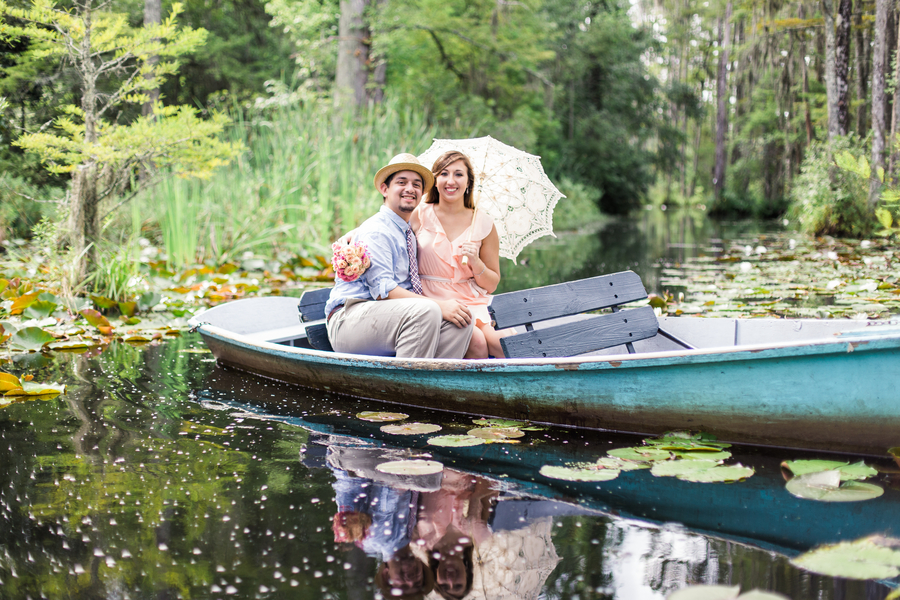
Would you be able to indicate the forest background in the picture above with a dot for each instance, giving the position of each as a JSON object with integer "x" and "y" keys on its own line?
{"x": 283, "y": 110}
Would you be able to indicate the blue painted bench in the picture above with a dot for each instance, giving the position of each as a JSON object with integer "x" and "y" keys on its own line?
{"x": 527, "y": 307}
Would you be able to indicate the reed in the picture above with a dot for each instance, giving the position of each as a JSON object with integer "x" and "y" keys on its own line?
{"x": 304, "y": 179}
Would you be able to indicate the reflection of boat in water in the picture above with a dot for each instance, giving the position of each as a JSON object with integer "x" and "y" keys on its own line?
{"x": 829, "y": 385}
{"x": 758, "y": 511}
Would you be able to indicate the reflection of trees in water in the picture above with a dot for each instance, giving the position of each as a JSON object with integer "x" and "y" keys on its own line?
{"x": 607, "y": 558}
{"x": 644, "y": 244}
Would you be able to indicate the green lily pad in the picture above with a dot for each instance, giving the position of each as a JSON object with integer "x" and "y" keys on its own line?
{"x": 148, "y": 300}
{"x": 31, "y": 338}
{"x": 496, "y": 433}
{"x": 869, "y": 558}
{"x": 579, "y": 473}
{"x": 498, "y": 423}
{"x": 691, "y": 455}
{"x": 411, "y": 467}
{"x": 381, "y": 417}
{"x": 722, "y": 592}
{"x": 411, "y": 428}
{"x": 40, "y": 309}
{"x": 71, "y": 344}
{"x": 848, "y": 472}
{"x": 640, "y": 453}
{"x": 94, "y": 317}
{"x": 30, "y": 388}
{"x": 676, "y": 468}
{"x": 720, "y": 474}
{"x": 826, "y": 486}
{"x": 610, "y": 462}
{"x": 455, "y": 441}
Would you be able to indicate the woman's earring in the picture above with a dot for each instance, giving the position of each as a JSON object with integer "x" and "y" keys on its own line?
{"x": 467, "y": 191}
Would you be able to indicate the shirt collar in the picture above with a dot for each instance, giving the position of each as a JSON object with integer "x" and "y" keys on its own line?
{"x": 395, "y": 218}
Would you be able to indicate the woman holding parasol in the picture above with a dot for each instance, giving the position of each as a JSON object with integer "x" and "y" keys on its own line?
{"x": 459, "y": 248}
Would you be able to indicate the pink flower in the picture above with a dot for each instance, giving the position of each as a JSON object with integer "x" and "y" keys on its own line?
{"x": 350, "y": 260}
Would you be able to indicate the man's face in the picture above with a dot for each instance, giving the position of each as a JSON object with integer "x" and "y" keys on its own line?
{"x": 403, "y": 193}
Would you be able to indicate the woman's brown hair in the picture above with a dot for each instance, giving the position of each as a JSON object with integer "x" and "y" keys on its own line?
{"x": 445, "y": 160}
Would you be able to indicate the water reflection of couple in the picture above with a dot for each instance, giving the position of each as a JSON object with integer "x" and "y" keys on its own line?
{"x": 438, "y": 541}
{"x": 417, "y": 252}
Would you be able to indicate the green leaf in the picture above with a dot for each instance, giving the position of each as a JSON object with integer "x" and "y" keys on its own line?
{"x": 103, "y": 302}
{"x": 30, "y": 388}
{"x": 148, "y": 300}
{"x": 94, "y": 318}
{"x": 825, "y": 486}
{"x": 455, "y": 441}
{"x": 640, "y": 453}
{"x": 579, "y": 473}
{"x": 869, "y": 558}
{"x": 381, "y": 417}
{"x": 31, "y": 338}
{"x": 128, "y": 308}
{"x": 496, "y": 433}
{"x": 40, "y": 309}
{"x": 720, "y": 474}
{"x": 411, "y": 429}
{"x": 884, "y": 217}
{"x": 675, "y": 468}
{"x": 411, "y": 467}
{"x": 856, "y": 471}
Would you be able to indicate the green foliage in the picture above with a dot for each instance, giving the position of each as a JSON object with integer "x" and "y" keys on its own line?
{"x": 826, "y": 199}
{"x": 305, "y": 179}
{"x": 578, "y": 208}
{"x": 22, "y": 205}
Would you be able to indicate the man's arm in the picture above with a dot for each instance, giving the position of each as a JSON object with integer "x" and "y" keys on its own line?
{"x": 451, "y": 310}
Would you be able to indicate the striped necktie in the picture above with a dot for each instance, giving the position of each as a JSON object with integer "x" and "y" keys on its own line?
{"x": 413, "y": 262}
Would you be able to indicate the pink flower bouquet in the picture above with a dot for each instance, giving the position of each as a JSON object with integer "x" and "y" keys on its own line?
{"x": 350, "y": 260}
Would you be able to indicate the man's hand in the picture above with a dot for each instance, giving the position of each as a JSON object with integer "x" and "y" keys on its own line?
{"x": 456, "y": 312}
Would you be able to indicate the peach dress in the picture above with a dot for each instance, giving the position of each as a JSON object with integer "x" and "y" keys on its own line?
{"x": 444, "y": 277}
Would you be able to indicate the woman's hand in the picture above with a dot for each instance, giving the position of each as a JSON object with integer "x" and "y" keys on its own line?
{"x": 470, "y": 250}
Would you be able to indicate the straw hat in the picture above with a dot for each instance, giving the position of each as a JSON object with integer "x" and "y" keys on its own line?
{"x": 405, "y": 162}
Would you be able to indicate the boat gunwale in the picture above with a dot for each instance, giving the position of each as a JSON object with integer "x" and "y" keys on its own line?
{"x": 846, "y": 342}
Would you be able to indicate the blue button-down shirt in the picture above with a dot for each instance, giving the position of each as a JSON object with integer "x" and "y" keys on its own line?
{"x": 384, "y": 233}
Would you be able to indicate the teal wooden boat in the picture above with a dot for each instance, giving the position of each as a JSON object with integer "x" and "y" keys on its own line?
{"x": 819, "y": 384}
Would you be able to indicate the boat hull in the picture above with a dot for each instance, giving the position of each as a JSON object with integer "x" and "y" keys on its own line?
{"x": 837, "y": 395}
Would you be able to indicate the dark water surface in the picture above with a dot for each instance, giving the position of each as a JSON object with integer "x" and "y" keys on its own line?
{"x": 160, "y": 475}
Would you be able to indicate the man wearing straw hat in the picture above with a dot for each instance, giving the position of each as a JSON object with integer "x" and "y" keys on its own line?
{"x": 383, "y": 312}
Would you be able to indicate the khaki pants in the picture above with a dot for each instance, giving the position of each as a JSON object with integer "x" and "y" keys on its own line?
{"x": 405, "y": 328}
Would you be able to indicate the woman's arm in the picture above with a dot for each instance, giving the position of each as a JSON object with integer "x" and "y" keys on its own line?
{"x": 486, "y": 262}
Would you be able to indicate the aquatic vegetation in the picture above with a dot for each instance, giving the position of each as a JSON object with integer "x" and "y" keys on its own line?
{"x": 496, "y": 433}
{"x": 411, "y": 429}
{"x": 722, "y": 592}
{"x": 456, "y": 441}
{"x": 874, "y": 557}
{"x": 381, "y": 417}
{"x": 826, "y": 486}
{"x": 847, "y": 471}
{"x": 585, "y": 472}
{"x": 411, "y": 467}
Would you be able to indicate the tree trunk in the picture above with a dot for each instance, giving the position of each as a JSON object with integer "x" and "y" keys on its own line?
{"x": 83, "y": 220}
{"x": 879, "y": 56}
{"x": 842, "y": 64}
{"x": 152, "y": 16}
{"x": 722, "y": 103}
{"x": 892, "y": 139}
{"x": 831, "y": 84}
{"x": 861, "y": 60}
{"x": 353, "y": 54}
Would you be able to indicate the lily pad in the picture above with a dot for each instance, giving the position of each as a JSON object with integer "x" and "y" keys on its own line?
{"x": 71, "y": 344}
{"x": 411, "y": 467}
{"x": 848, "y": 472}
{"x": 40, "y": 309}
{"x": 94, "y": 318}
{"x": 722, "y": 592}
{"x": 8, "y": 382}
{"x": 29, "y": 388}
{"x": 496, "y": 433}
{"x": 826, "y": 486}
{"x": 640, "y": 453}
{"x": 869, "y": 558}
{"x": 31, "y": 338}
{"x": 610, "y": 462}
{"x": 498, "y": 423}
{"x": 587, "y": 473}
{"x": 691, "y": 455}
{"x": 381, "y": 417}
{"x": 455, "y": 441}
{"x": 720, "y": 474}
{"x": 676, "y": 468}
{"x": 411, "y": 428}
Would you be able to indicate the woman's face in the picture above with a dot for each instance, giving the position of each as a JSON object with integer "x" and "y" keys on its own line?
{"x": 451, "y": 182}
{"x": 451, "y": 575}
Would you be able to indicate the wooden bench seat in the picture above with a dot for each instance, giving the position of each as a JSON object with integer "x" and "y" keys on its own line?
{"x": 526, "y": 307}
{"x": 597, "y": 332}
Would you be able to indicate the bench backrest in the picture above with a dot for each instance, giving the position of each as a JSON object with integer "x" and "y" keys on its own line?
{"x": 312, "y": 308}
{"x": 534, "y": 305}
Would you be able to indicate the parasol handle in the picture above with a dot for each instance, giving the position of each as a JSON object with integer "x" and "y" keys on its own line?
{"x": 465, "y": 259}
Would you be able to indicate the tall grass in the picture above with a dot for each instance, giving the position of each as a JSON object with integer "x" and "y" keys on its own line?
{"x": 304, "y": 179}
